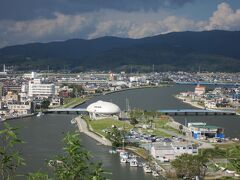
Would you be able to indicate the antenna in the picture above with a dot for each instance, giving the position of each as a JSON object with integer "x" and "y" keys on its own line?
{"x": 153, "y": 68}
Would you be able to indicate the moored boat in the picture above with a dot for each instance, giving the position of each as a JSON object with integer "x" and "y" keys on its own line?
{"x": 155, "y": 174}
{"x": 147, "y": 169}
{"x": 133, "y": 162}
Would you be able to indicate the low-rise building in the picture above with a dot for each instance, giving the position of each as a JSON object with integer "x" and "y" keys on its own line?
{"x": 20, "y": 108}
{"x": 200, "y": 90}
{"x": 166, "y": 152}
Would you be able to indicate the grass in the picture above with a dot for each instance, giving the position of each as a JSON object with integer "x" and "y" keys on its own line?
{"x": 99, "y": 125}
{"x": 161, "y": 123}
{"x": 139, "y": 151}
{"x": 71, "y": 102}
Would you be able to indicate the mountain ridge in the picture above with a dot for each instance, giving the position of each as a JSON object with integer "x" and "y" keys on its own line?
{"x": 175, "y": 50}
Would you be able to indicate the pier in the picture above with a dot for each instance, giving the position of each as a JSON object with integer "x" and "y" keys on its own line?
{"x": 195, "y": 112}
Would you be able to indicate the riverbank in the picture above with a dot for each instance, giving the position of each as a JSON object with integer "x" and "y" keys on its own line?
{"x": 192, "y": 103}
{"x": 134, "y": 88}
{"x": 83, "y": 127}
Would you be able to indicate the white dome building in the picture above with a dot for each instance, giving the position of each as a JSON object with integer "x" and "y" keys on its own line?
{"x": 103, "y": 109}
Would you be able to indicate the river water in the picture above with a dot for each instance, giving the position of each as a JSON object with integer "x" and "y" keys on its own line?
{"x": 43, "y": 135}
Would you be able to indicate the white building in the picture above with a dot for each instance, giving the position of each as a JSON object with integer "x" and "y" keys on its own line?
{"x": 38, "y": 89}
{"x": 102, "y": 109}
{"x": 21, "y": 108}
{"x": 166, "y": 152}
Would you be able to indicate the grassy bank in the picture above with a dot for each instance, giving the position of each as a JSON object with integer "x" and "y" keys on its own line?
{"x": 72, "y": 102}
{"x": 100, "y": 126}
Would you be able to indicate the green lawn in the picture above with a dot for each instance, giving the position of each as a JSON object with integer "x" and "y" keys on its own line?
{"x": 99, "y": 125}
{"x": 71, "y": 102}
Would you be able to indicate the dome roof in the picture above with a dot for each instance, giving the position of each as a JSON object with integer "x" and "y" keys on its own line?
{"x": 103, "y": 107}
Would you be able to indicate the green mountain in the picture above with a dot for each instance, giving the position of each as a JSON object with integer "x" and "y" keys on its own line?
{"x": 210, "y": 50}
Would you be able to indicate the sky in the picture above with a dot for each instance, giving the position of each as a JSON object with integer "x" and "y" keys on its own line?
{"x": 26, "y": 21}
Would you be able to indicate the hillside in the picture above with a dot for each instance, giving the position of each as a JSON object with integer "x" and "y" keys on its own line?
{"x": 210, "y": 50}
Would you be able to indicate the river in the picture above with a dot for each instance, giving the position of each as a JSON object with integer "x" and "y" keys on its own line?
{"x": 43, "y": 135}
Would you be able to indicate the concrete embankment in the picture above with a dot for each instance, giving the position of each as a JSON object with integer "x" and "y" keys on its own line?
{"x": 82, "y": 125}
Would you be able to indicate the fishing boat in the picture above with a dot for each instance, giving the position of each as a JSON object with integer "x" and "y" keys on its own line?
{"x": 73, "y": 121}
{"x": 133, "y": 162}
{"x": 40, "y": 114}
{"x": 124, "y": 154}
{"x": 123, "y": 160}
{"x": 155, "y": 174}
{"x": 147, "y": 169}
{"x": 112, "y": 151}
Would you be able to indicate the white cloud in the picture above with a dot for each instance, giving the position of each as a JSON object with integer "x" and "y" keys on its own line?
{"x": 224, "y": 18}
{"x": 112, "y": 23}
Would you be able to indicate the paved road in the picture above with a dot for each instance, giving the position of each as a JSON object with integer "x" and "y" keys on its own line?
{"x": 82, "y": 125}
{"x": 203, "y": 145}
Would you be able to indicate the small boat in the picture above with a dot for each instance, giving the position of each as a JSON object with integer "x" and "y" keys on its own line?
{"x": 2, "y": 119}
{"x": 40, "y": 114}
{"x": 123, "y": 160}
{"x": 133, "y": 163}
{"x": 124, "y": 154}
{"x": 112, "y": 151}
{"x": 147, "y": 169}
{"x": 73, "y": 121}
{"x": 155, "y": 174}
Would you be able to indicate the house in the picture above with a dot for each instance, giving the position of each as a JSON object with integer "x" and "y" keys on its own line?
{"x": 200, "y": 90}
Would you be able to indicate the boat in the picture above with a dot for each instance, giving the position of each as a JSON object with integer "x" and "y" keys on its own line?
{"x": 133, "y": 162}
{"x": 155, "y": 174}
{"x": 123, "y": 160}
{"x": 2, "y": 119}
{"x": 73, "y": 121}
{"x": 147, "y": 169}
{"x": 112, "y": 151}
{"x": 40, "y": 114}
{"x": 124, "y": 154}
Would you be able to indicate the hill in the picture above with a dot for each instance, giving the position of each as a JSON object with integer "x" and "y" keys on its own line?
{"x": 210, "y": 50}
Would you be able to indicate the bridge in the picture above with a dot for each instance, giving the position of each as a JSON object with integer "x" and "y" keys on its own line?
{"x": 67, "y": 110}
{"x": 173, "y": 112}
{"x": 196, "y": 112}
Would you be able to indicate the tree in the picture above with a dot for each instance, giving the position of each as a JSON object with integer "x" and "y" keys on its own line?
{"x": 45, "y": 104}
{"x": 10, "y": 159}
{"x": 189, "y": 166}
{"x": 180, "y": 128}
{"x": 75, "y": 163}
{"x": 116, "y": 136}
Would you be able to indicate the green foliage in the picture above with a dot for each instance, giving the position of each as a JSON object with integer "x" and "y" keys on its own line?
{"x": 77, "y": 90}
{"x": 37, "y": 176}
{"x": 236, "y": 164}
{"x": 45, "y": 104}
{"x": 10, "y": 159}
{"x": 75, "y": 163}
{"x": 190, "y": 166}
{"x": 116, "y": 136}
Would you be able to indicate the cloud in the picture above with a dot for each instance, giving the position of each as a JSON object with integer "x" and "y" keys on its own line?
{"x": 108, "y": 22}
{"x": 31, "y": 9}
{"x": 224, "y": 18}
